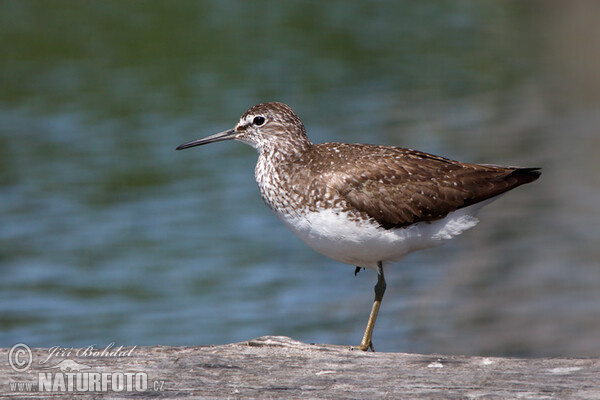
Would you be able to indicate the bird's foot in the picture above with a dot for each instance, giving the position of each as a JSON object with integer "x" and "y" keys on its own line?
{"x": 363, "y": 347}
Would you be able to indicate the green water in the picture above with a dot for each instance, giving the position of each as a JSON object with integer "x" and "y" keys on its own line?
{"x": 109, "y": 235}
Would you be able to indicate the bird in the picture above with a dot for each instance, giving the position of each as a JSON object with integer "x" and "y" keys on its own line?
{"x": 362, "y": 204}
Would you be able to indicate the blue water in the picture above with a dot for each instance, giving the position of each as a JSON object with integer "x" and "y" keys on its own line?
{"x": 107, "y": 234}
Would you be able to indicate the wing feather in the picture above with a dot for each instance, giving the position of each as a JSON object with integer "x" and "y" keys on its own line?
{"x": 398, "y": 187}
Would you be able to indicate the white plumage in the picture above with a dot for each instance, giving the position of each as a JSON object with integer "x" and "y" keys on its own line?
{"x": 362, "y": 243}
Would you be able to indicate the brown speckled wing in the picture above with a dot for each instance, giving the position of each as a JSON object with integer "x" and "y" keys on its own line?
{"x": 398, "y": 187}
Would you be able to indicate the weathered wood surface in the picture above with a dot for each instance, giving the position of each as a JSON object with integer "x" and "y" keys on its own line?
{"x": 279, "y": 367}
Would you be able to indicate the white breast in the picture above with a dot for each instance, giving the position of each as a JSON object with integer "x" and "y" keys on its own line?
{"x": 364, "y": 244}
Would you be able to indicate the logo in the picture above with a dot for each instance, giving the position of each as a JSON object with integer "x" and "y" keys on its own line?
{"x": 70, "y": 375}
{"x": 20, "y": 357}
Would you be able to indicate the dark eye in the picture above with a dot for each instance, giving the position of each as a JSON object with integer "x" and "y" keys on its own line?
{"x": 258, "y": 121}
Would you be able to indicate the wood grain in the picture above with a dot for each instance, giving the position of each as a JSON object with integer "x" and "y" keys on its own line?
{"x": 280, "y": 368}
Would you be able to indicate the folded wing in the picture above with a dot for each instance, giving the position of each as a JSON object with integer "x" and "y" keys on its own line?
{"x": 398, "y": 187}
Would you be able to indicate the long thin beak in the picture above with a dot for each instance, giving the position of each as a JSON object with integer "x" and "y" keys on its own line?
{"x": 217, "y": 137}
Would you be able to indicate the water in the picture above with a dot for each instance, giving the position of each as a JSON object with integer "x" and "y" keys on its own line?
{"x": 107, "y": 234}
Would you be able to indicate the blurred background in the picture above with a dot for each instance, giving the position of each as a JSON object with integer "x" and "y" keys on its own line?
{"x": 107, "y": 234}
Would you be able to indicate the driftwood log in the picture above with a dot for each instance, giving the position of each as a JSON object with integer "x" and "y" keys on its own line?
{"x": 278, "y": 367}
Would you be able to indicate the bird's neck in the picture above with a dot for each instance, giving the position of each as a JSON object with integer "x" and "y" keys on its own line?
{"x": 284, "y": 150}
{"x": 273, "y": 169}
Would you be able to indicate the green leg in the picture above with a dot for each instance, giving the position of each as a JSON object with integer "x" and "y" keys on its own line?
{"x": 366, "y": 343}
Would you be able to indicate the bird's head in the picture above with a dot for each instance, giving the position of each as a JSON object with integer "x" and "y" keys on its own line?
{"x": 265, "y": 126}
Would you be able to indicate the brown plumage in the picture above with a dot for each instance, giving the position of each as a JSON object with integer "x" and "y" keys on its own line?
{"x": 394, "y": 186}
{"x": 363, "y": 204}
{"x": 398, "y": 187}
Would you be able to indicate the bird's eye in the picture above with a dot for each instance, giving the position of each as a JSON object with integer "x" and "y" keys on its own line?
{"x": 258, "y": 121}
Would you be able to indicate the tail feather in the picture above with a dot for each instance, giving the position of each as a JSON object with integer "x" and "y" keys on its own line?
{"x": 525, "y": 175}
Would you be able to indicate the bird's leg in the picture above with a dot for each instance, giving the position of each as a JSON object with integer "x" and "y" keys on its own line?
{"x": 366, "y": 343}
{"x": 357, "y": 270}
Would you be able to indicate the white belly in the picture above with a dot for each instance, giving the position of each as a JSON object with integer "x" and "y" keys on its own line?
{"x": 364, "y": 244}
